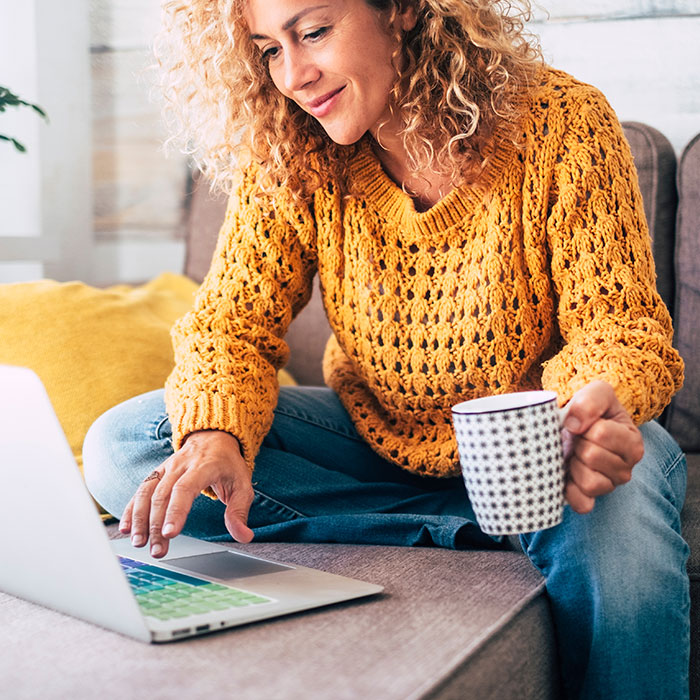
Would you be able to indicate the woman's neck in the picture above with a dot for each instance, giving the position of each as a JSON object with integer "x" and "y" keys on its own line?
{"x": 426, "y": 188}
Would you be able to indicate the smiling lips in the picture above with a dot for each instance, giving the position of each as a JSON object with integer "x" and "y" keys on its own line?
{"x": 322, "y": 105}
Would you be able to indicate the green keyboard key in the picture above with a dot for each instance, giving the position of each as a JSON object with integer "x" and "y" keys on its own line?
{"x": 165, "y": 595}
{"x": 256, "y": 600}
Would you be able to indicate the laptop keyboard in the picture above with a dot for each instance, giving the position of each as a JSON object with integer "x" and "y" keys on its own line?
{"x": 168, "y": 595}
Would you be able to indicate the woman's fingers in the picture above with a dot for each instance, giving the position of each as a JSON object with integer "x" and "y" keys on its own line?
{"x": 172, "y": 500}
{"x": 125, "y": 520}
{"x": 578, "y": 500}
{"x": 605, "y": 445}
{"x": 612, "y": 447}
{"x": 602, "y": 460}
{"x": 237, "y": 509}
{"x": 160, "y": 500}
{"x": 141, "y": 508}
{"x": 590, "y": 482}
{"x": 182, "y": 496}
{"x": 158, "y": 511}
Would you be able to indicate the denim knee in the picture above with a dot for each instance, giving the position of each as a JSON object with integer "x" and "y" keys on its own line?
{"x": 663, "y": 457}
{"x": 122, "y": 446}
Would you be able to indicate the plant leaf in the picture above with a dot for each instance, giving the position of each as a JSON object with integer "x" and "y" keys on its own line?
{"x": 39, "y": 111}
{"x": 20, "y": 147}
{"x": 9, "y": 99}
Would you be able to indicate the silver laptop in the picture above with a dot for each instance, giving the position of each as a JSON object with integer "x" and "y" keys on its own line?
{"x": 54, "y": 549}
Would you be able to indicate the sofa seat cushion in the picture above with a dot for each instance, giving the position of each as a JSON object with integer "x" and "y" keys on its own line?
{"x": 448, "y": 623}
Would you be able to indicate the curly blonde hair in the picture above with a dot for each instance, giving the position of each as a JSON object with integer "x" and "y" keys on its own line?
{"x": 460, "y": 73}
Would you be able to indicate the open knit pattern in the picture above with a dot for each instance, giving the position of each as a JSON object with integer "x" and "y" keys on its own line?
{"x": 539, "y": 276}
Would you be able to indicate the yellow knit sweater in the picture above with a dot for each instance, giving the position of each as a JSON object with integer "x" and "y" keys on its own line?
{"x": 540, "y": 276}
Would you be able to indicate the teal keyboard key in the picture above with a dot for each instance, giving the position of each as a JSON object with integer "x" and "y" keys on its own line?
{"x": 175, "y": 576}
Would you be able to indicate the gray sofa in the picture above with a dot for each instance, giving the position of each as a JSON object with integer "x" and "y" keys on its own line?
{"x": 470, "y": 625}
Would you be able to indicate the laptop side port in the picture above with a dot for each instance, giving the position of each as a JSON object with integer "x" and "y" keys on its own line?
{"x": 201, "y": 628}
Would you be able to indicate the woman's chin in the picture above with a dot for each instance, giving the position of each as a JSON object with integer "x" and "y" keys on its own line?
{"x": 343, "y": 137}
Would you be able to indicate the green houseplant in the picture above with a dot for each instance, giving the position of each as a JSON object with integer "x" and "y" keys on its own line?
{"x": 9, "y": 99}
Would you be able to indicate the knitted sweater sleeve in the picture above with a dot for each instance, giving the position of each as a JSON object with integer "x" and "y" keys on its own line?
{"x": 229, "y": 347}
{"x": 612, "y": 322}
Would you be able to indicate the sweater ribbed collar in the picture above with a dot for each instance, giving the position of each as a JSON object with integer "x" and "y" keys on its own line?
{"x": 382, "y": 194}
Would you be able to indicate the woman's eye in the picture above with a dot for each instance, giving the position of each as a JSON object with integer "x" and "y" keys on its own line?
{"x": 274, "y": 51}
{"x": 316, "y": 34}
{"x": 270, "y": 53}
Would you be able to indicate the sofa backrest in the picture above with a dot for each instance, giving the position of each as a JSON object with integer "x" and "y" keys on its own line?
{"x": 683, "y": 418}
{"x": 655, "y": 161}
{"x": 204, "y": 216}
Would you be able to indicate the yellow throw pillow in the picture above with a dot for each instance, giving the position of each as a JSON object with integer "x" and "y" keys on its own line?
{"x": 93, "y": 348}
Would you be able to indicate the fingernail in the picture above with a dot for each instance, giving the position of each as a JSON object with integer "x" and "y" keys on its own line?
{"x": 168, "y": 529}
{"x": 138, "y": 540}
{"x": 156, "y": 550}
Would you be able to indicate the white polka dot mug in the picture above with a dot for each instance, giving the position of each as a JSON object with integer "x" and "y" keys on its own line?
{"x": 512, "y": 457}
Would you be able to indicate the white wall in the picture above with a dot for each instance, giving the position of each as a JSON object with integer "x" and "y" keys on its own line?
{"x": 138, "y": 191}
{"x": 45, "y": 193}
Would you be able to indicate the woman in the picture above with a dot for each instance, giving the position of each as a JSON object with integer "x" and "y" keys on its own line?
{"x": 475, "y": 222}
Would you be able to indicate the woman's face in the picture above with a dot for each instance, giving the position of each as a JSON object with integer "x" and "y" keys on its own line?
{"x": 332, "y": 57}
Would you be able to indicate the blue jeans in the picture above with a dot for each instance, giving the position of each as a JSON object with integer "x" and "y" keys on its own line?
{"x": 616, "y": 577}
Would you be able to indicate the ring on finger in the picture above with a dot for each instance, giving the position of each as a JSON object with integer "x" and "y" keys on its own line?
{"x": 155, "y": 474}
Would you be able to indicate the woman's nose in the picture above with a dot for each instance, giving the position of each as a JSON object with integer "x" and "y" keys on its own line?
{"x": 299, "y": 70}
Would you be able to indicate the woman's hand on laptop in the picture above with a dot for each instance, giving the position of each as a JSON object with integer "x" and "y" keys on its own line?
{"x": 159, "y": 508}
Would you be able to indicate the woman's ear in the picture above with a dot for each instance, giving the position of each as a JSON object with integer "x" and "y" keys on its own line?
{"x": 407, "y": 16}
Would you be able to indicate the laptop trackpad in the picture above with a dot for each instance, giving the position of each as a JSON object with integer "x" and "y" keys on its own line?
{"x": 226, "y": 565}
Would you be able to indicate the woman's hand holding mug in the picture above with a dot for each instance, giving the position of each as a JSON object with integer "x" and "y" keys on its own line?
{"x": 522, "y": 456}
{"x": 602, "y": 445}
